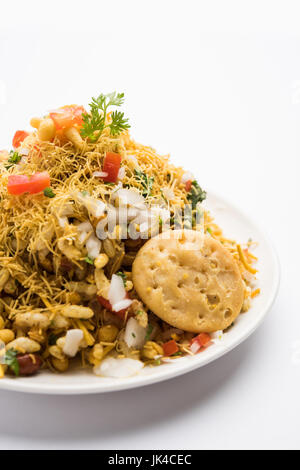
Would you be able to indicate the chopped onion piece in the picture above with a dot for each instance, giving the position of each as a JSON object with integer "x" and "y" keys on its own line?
{"x": 122, "y": 173}
{"x": 72, "y": 342}
{"x": 168, "y": 193}
{"x": 134, "y": 334}
{"x": 217, "y": 336}
{"x": 195, "y": 346}
{"x": 63, "y": 221}
{"x": 100, "y": 174}
{"x": 94, "y": 206}
{"x": 187, "y": 177}
{"x": 128, "y": 197}
{"x": 85, "y": 227}
{"x": 121, "y": 305}
{"x": 117, "y": 291}
{"x": 118, "y": 368}
{"x": 24, "y": 152}
{"x": 93, "y": 246}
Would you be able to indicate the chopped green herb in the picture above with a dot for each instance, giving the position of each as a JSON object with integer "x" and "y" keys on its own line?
{"x": 89, "y": 260}
{"x": 157, "y": 362}
{"x": 14, "y": 158}
{"x": 11, "y": 360}
{"x": 133, "y": 334}
{"x": 148, "y": 332}
{"x": 85, "y": 193}
{"x": 196, "y": 195}
{"x": 48, "y": 192}
{"x": 209, "y": 230}
{"x": 52, "y": 339}
{"x": 145, "y": 181}
{"x": 123, "y": 276}
{"x": 94, "y": 122}
{"x": 139, "y": 312}
{"x": 178, "y": 353}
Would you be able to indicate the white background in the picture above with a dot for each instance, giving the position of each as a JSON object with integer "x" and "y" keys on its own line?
{"x": 216, "y": 84}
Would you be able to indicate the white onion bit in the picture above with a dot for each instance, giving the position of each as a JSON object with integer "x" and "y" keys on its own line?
{"x": 93, "y": 246}
{"x": 187, "y": 177}
{"x": 118, "y": 368}
{"x": 117, "y": 291}
{"x": 134, "y": 334}
{"x": 72, "y": 342}
{"x": 100, "y": 174}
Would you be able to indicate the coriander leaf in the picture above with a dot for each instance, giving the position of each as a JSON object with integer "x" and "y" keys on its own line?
{"x": 123, "y": 276}
{"x": 52, "y": 339}
{"x": 11, "y": 360}
{"x": 14, "y": 158}
{"x": 48, "y": 192}
{"x": 89, "y": 260}
{"x": 196, "y": 195}
{"x": 94, "y": 122}
{"x": 145, "y": 181}
{"x": 148, "y": 332}
{"x": 118, "y": 123}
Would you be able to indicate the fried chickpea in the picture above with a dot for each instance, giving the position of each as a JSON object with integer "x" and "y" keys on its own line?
{"x": 108, "y": 333}
{"x": 7, "y": 336}
{"x": 61, "y": 365}
{"x": 101, "y": 261}
{"x": 47, "y": 130}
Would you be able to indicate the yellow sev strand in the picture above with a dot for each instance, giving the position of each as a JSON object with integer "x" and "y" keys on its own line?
{"x": 244, "y": 261}
{"x": 1, "y": 371}
{"x": 255, "y": 293}
{"x": 87, "y": 336}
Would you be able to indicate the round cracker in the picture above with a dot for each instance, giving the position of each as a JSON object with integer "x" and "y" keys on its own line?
{"x": 189, "y": 280}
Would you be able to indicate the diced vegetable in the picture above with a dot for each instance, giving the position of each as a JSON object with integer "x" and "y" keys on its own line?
{"x": 170, "y": 348}
{"x": 203, "y": 340}
{"x": 20, "y": 184}
{"x": 19, "y": 137}
{"x": 188, "y": 186}
{"x": 68, "y": 116}
{"x": 106, "y": 304}
{"x": 111, "y": 166}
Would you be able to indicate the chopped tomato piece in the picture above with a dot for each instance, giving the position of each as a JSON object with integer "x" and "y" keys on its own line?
{"x": 111, "y": 166}
{"x": 18, "y": 138}
{"x": 20, "y": 184}
{"x": 170, "y": 348}
{"x": 106, "y": 304}
{"x": 203, "y": 340}
{"x": 188, "y": 186}
{"x": 68, "y": 116}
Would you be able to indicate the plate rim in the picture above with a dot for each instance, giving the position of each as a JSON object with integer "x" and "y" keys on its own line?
{"x": 37, "y": 388}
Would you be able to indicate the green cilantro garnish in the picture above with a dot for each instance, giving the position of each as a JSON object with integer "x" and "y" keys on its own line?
{"x": 94, "y": 122}
{"x": 133, "y": 334}
{"x": 145, "y": 181}
{"x": 123, "y": 276}
{"x": 48, "y": 192}
{"x": 148, "y": 332}
{"x": 209, "y": 230}
{"x": 178, "y": 353}
{"x": 11, "y": 360}
{"x": 52, "y": 339}
{"x": 14, "y": 158}
{"x": 89, "y": 260}
{"x": 196, "y": 195}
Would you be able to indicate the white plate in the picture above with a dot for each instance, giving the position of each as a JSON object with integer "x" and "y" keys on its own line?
{"x": 235, "y": 225}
